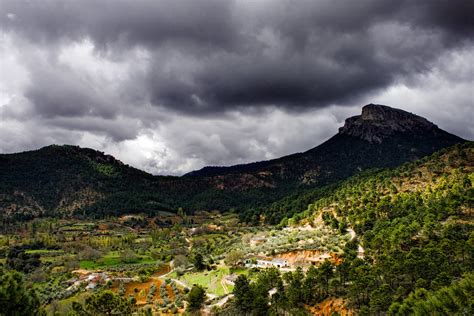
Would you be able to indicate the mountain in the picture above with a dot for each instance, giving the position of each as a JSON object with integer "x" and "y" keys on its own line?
{"x": 380, "y": 137}
{"x": 68, "y": 179}
{"x": 59, "y": 180}
{"x": 414, "y": 227}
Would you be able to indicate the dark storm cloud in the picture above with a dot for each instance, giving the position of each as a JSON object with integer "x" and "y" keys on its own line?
{"x": 171, "y": 86}
{"x": 59, "y": 92}
{"x": 211, "y": 56}
{"x": 107, "y": 22}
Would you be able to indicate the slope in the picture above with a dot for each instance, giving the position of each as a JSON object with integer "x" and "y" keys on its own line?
{"x": 58, "y": 180}
{"x": 416, "y": 224}
{"x": 65, "y": 180}
{"x": 380, "y": 137}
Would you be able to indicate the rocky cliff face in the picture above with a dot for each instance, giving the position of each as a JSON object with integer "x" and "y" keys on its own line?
{"x": 378, "y": 122}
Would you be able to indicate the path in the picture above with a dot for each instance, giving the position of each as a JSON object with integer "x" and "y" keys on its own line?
{"x": 164, "y": 276}
{"x": 179, "y": 282}
{"x": 352, "y": 233}
{"x": 208, "y": 308}
{"x": 183, "y": 284}
{"x": 189, "y": 242}
{"x": 223, "y": 300}
{"x": 224, "y": 286}
{"x": 360, "y": 249}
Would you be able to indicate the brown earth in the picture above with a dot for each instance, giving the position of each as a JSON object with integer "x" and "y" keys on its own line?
{"x": 142, "y": 290}
{"x": 330, "y": 306}
{"x": 307, "y": 257}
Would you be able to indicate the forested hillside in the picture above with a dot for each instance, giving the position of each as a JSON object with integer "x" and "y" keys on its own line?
{"x": 61, "y": 180}
{"x": 72, "y": 181}
{"x": 416, "y": 226}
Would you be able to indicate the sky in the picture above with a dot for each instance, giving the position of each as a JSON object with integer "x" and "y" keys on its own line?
{"x": 172, "y": 86}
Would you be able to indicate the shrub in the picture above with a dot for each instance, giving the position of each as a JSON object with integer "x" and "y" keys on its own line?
{"x": 121, "y": 290}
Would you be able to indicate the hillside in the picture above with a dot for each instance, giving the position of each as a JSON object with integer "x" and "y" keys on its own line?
{"x": 64, "y": 180}
{"x": 384, "y": 242}
{"x": 58, "y": 180}
{"x": 380, "y": 137}
{"x": 416, "y": 224}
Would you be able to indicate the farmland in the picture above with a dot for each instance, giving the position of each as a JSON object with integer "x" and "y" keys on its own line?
{"x": 149, "y": 263}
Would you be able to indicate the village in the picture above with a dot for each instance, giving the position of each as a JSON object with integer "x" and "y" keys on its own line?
{"x": 156, "y": 266}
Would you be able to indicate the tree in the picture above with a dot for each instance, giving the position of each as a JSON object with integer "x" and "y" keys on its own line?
{"x": 294, "y": 293}
{"x": 19, "y": 260}
{"x": 326, "y": 270}
{"x": 196, "y": 298}
{"x": 128, "y": 256}
{"x": 15, "y": 299}
{"x": 198, "y": 262}
{"x": 121, "y": 290}
{"x": 105, "y": 303}
{"x": 234, "y": 257}
{"x": 380, "y": 299}
{"x": 180, "y": 261}
{"x": 269, "y": 279}
{"x": 243, "y": 294}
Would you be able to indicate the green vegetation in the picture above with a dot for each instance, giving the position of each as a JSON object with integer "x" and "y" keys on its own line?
{"x": 211, "y": 280}
{"x": 15, "y": 298}
{"x": 104, "y": 303}
{"x": 71, "y": 181}
{"x": 415, "y": 224}
{"x": 457, "y": 298}
{"x": 196, "y": 298}
{"x": 398, "y": 242}
{"x": 114, "y": 258}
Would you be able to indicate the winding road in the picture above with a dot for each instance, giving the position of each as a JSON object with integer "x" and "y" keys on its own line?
{"x": 360, "y": 249}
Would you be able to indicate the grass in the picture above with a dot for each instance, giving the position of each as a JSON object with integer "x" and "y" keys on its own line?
{"x": 79, "y": 227}
{"x": 112, "y": 259}
{"x": 44, "y": 251}
{"x": 64, "y": 306}
{"x": 210, "y": 280}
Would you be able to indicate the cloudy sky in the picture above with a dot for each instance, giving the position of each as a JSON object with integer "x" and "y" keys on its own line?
{"x": 171, "y": 86}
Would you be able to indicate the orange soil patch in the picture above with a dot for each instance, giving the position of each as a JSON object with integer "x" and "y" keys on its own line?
{"x": 142, "y": 290}
{"x": 170, "y": 292}
{"x": 330, "y": 306}
{"x": 103, "y": 227}
{"x": 82, "y": 272}
{"x": 308, "y": 257}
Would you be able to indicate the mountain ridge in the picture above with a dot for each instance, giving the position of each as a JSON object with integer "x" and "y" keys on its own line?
{"x": 366, "y": 126}
{"x": 69, "y": 179}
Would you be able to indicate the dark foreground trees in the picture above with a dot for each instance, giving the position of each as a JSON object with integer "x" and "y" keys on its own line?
{"x": 104, "y": 303}
{"x": 456, "y": 299}
{"x": 254, "y": 298}
{"x": 196, "y": 298}
{"x": 15, "y": 298}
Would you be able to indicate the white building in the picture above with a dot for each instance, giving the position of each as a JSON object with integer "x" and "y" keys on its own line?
{"x": 268, "y": 263}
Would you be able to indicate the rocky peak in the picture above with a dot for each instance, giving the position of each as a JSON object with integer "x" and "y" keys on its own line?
{"x": 380, "y": 121}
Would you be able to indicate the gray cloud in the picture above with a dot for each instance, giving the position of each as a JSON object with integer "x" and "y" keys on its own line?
{"x": 212, "y": 55}
{"x": 216, "y": 82}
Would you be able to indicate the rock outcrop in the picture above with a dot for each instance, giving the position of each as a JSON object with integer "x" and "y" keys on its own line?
{"x": 378, "y": 122}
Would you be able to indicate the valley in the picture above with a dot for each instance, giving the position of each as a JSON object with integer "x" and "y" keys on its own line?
{"x": 154, "y": 264}
{"x": 83, "y": 234}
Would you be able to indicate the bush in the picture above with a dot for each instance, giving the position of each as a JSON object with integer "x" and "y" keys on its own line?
{"x": 196, "y": 297}
{"x": 121, "y": 290}
{"x": 128, "y": 256}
